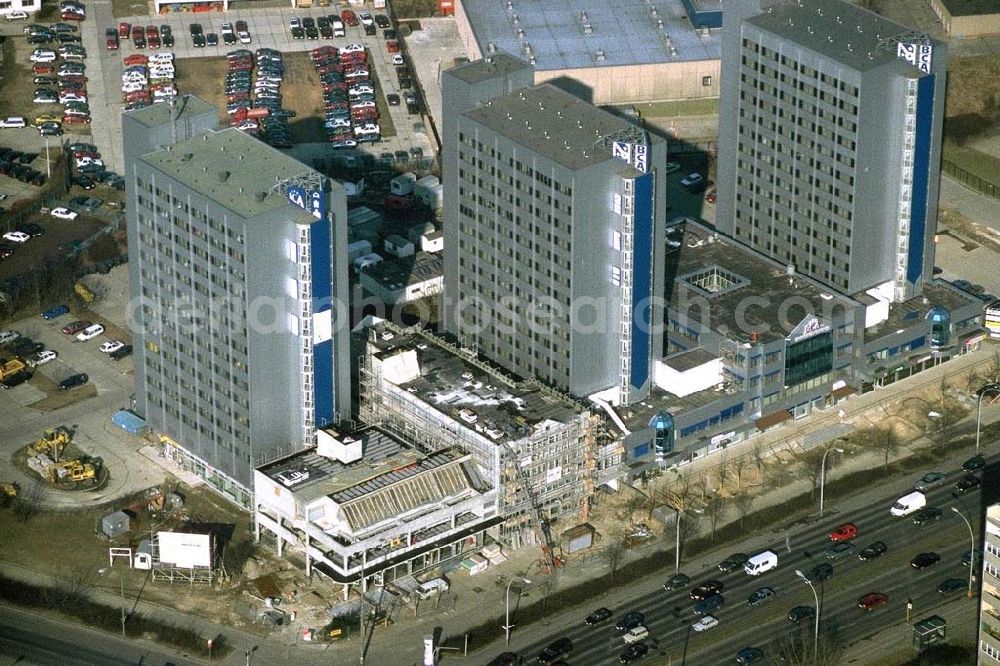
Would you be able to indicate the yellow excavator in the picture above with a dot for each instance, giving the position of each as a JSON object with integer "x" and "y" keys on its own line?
{"x": 75, "y": 470}
{"x": 52, "y": 443}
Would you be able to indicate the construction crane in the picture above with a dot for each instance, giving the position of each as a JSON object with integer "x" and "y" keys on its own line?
{"x": 551, "y": 560}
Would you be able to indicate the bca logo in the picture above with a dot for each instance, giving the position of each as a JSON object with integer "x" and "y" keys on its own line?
{"x": 311, "y": 200}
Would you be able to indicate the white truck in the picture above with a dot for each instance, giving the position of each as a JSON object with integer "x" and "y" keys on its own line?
{"x": 761, "y": 563}
{"x": 431, "y": 587}
{"x": 907, "y": 504}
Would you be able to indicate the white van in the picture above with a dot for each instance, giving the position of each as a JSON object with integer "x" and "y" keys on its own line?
{"x": 636, "y": 634}
{"x": 907, "y": 504}
{"x": 761, "y": 563}
{"x": 431, "y": 587}
{"x": 338, "y": 27}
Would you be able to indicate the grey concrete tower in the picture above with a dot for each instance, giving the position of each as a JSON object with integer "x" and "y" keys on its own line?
{"x": 829, "y": 142}
{"x": 238, "y": 268}
{"x": 554, "y": 227}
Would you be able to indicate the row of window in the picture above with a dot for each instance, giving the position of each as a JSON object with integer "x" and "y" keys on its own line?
{"x": 791, "y": 65}
{"x": 889, "y": 352}
{"x": 723, "y": 416}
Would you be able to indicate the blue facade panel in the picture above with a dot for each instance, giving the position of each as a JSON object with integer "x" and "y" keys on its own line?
{"x": 921, "y": 168}
{"x": 322, "y": 288}
{"x": 642, "y": 279}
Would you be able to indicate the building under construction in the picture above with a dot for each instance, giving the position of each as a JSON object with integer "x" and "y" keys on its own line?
{"x": 539, "y": 448}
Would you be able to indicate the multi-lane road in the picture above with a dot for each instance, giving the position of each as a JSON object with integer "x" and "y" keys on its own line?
{"x": 669, "y": 615}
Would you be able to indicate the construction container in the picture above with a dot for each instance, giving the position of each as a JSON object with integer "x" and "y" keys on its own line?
{"x": 578, "y": 538}
{"x": 403, "y": 184}
{"x": 115, "y": 524}
{"x": 128, "y": 422}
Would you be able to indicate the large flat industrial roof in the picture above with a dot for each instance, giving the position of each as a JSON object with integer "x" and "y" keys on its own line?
{"x": 450, "y": 383}
{"x": 554, "y": 124}
{"x": 397, "y": 273}
{"x": 971, "y": 7}
{"x": 234, "y": 170}
{"x": 487, "y": 67}
{"x": 855, "y": 37}
{"x": 555, "y": 34}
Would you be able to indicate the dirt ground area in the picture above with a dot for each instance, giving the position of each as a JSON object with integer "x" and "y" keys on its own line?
{"x": 300, "y": 92}
{"x": 54, "y": 398}
{"x": 68, "y": 545}
{"x": 973, "y": 85}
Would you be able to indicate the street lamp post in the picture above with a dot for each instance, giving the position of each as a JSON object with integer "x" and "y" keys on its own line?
{"x": 822, "y": 477}
{"x": 677, "y": 544}
{"x": 121, "y": 583}
{"x": 816, "y": 599}
{"x": 979, "y": 407}
{"x": 972, "y": 551}
{"x": 506, "y": 625}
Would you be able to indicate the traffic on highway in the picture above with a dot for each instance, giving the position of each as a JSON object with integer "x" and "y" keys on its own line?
{"x": 865, "y": 568}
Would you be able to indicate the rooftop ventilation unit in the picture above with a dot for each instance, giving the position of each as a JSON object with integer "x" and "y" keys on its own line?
{"x": 704, "y": 32}
{"x": 514, "y": 19}
{"x": 491, "y": 47}
{"x": 588, "y": 29}
{"x": 223, "y": 176}
{"x": 527, "y": 48}
{"x": 187, "y": 157}
{"x": 583, "y": 17}
{"x": 599, "y": 56}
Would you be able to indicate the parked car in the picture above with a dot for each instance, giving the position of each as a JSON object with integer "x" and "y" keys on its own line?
{"x": 64, "y": 213}
{"x": 42, "y": 357}
{"x": 111, "y": 346}
{"x": 55, "y": 312}
{"x": 119, "y": 354}
{"x": 90, "y": 332}
{"x": 73, "y": 381}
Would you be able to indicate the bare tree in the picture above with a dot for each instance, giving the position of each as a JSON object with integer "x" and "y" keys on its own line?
{"x": 797, "y": 649}
{"x": 722, "y": 469}
{"x": 635, "y": 502}
{"x": 739, "y": 467}
{"x": 714, "y": 509}
{"x": 548, "y": 584}
{"x": 758, "y": 455}
{"x": 744, "y": 502}
{"x": 812, "y": 461}
{"x": 614, "y": 552}
{"x": 876, "y": 6}
{"x": 888, "y": 444}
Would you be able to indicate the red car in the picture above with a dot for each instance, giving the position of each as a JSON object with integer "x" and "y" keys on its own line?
{"x": 136, "y": 59}
{"x": 43, "y": 68}
{"x": 124, "y": 30}
{"x": 71, "y": 16}
{"x": 392, "y": 46}
{"x": 76, "y": 120}
{"x": 845, "y": 532}
{"x": 349, "y": 17}
{"x": 711, "y": 196}
{"x": 872, "y": 600}
{"x": 75, "y": 327}
{"x": 111, "y": 43}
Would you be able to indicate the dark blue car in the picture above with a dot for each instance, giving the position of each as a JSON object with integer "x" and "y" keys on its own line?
{"x": 57, "y": 311}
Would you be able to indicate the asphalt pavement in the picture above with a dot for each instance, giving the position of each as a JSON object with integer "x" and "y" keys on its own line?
{"x": 30, "y": 638}
{"x": 670, "y": 614}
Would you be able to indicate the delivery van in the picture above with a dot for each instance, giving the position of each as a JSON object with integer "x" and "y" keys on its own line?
{"x": 761, "y": 563}
{"x": 431, "y": 587}
{"x": 907, "y": 504}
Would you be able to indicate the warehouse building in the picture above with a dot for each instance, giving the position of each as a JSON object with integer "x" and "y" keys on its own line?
{"x": 618, "y": 52}
{"x": 968, "y": 19}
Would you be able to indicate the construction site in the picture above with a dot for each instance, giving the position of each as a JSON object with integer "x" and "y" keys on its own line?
{"x": 60, "y": 464}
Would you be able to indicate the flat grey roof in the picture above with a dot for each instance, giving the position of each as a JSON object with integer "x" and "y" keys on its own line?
{"x": 628, "y": 32}
{"x": 690, "y": 359}
{"x": 554, "y": 124}
{"x": 498, "y": 401}
{"x": 234, "y": 170}
{"x": 702, "y": 251}
{"x": 845, "y": 33}
{"x": 638, "y": 415}
{"x": 971, "y": 7}
{"x": 157, "y": 115}
{"x": 398, "y": 272}
{"x": 487, "y": 67}
{"x": 906, "y": 314}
